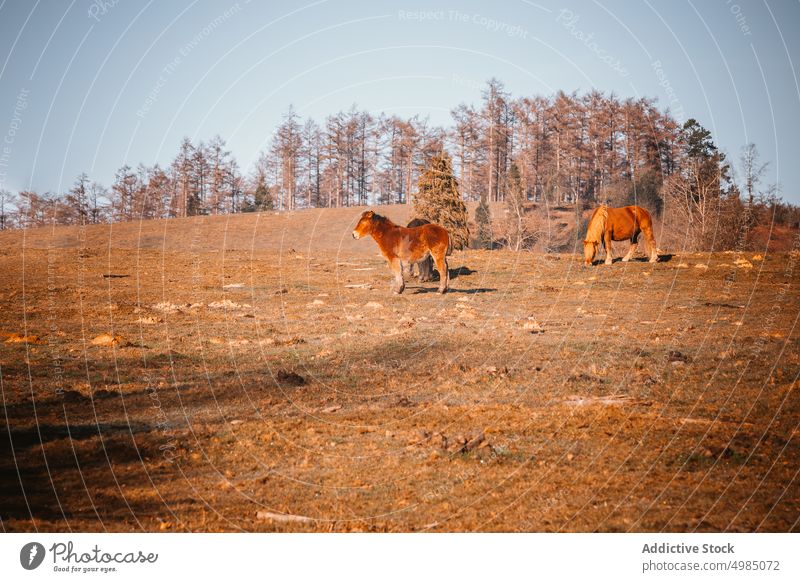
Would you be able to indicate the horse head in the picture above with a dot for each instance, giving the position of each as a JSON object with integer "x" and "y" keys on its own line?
{"x": 364, "y": 226}
{"x": 590, "y": 251}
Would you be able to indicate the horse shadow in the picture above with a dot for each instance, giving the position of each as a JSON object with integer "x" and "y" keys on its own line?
{"x": 665, "y": 258}
{"x": 455, "y": 273}
{"x": 422, "y": 290}
{"x": 462, "y": 271}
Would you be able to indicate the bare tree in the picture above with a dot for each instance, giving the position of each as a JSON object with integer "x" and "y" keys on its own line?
{"x": 76, "y": 203}
{"x": 470, "y": 155}
{"x": 518, "y": 228}
{"x": 181, "y": 170}
{"x": 37, "y": 209}
{"x": 312, "y": 160}
{"x": 220, "y": 180}
{"x": 6, "y": 201}
{"x": 97, "y": 199}
{"x": 124, "y": 192}
{"x": 200, "y": 179}
{"x": 496, "y": 115}
{"x": 286, "y": 149}
{"x": 752, "y": 172}
{"x": 694, "y": 195}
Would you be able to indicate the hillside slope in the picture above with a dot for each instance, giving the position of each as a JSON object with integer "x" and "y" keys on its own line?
{"x": 152, "y": 382}
{"x": 305, "y": 230}
{"x": 308, "y": 230}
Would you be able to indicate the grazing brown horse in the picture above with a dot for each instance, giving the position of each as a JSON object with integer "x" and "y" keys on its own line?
{"x": 400, "y": 245}
{"x": 627, "y": 223}
{"x": 425, "y": 266}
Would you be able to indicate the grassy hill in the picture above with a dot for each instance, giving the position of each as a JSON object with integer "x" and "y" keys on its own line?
{"x": 306, "y": 230}
{"x": 254, "y": 372}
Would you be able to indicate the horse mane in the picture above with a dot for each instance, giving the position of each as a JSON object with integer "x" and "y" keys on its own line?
{"x": 382, "y": 219}
{"x": 597, "y": 225}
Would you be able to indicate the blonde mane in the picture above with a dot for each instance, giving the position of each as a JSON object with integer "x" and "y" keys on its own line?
{"x": 597, "y": 225}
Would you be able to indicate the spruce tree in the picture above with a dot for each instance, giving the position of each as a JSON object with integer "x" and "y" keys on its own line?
{"x": 262, "y": 197}
{"x": 438, "y": 200}
{"x": 483, "y": 222}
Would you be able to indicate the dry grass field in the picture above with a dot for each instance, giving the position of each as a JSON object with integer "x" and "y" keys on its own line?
{"x": 253, "y": 372}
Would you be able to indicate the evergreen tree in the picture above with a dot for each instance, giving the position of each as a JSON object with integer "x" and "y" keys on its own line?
{"x": 262, "y": 198}
{"x": 438, "y": 200}
{"x": 645, "y": 192}
{"x": 483, "y": 222}
{"x": 698, "y": 140}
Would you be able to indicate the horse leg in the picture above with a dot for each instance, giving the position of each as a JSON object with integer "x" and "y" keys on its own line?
{"x": 649, "y": 239}
{"x": 607, "y": 242}
{"x": 397, "y": 268}
{"x": 651, "y": 247}
{"x": 426, "y": 269}
{"x": 441, "y": 266}
{"x": 632, "y": 250}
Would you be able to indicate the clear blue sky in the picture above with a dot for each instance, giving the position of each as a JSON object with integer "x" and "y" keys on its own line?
{"x": 88, "y": 85}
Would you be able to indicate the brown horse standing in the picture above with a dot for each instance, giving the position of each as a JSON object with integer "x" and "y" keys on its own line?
{"x": 425, "y": 266}
{"x": 627, "y": 223}
{"x": 400, "y": 245}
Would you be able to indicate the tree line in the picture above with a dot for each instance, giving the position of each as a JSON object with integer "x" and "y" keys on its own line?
{"x": 566, "y": 149}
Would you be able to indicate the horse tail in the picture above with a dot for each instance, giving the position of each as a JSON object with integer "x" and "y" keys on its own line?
{"x": 649, "y": 236}
{"x": 597, "y": 224}
{"x": 646, "y": 226}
